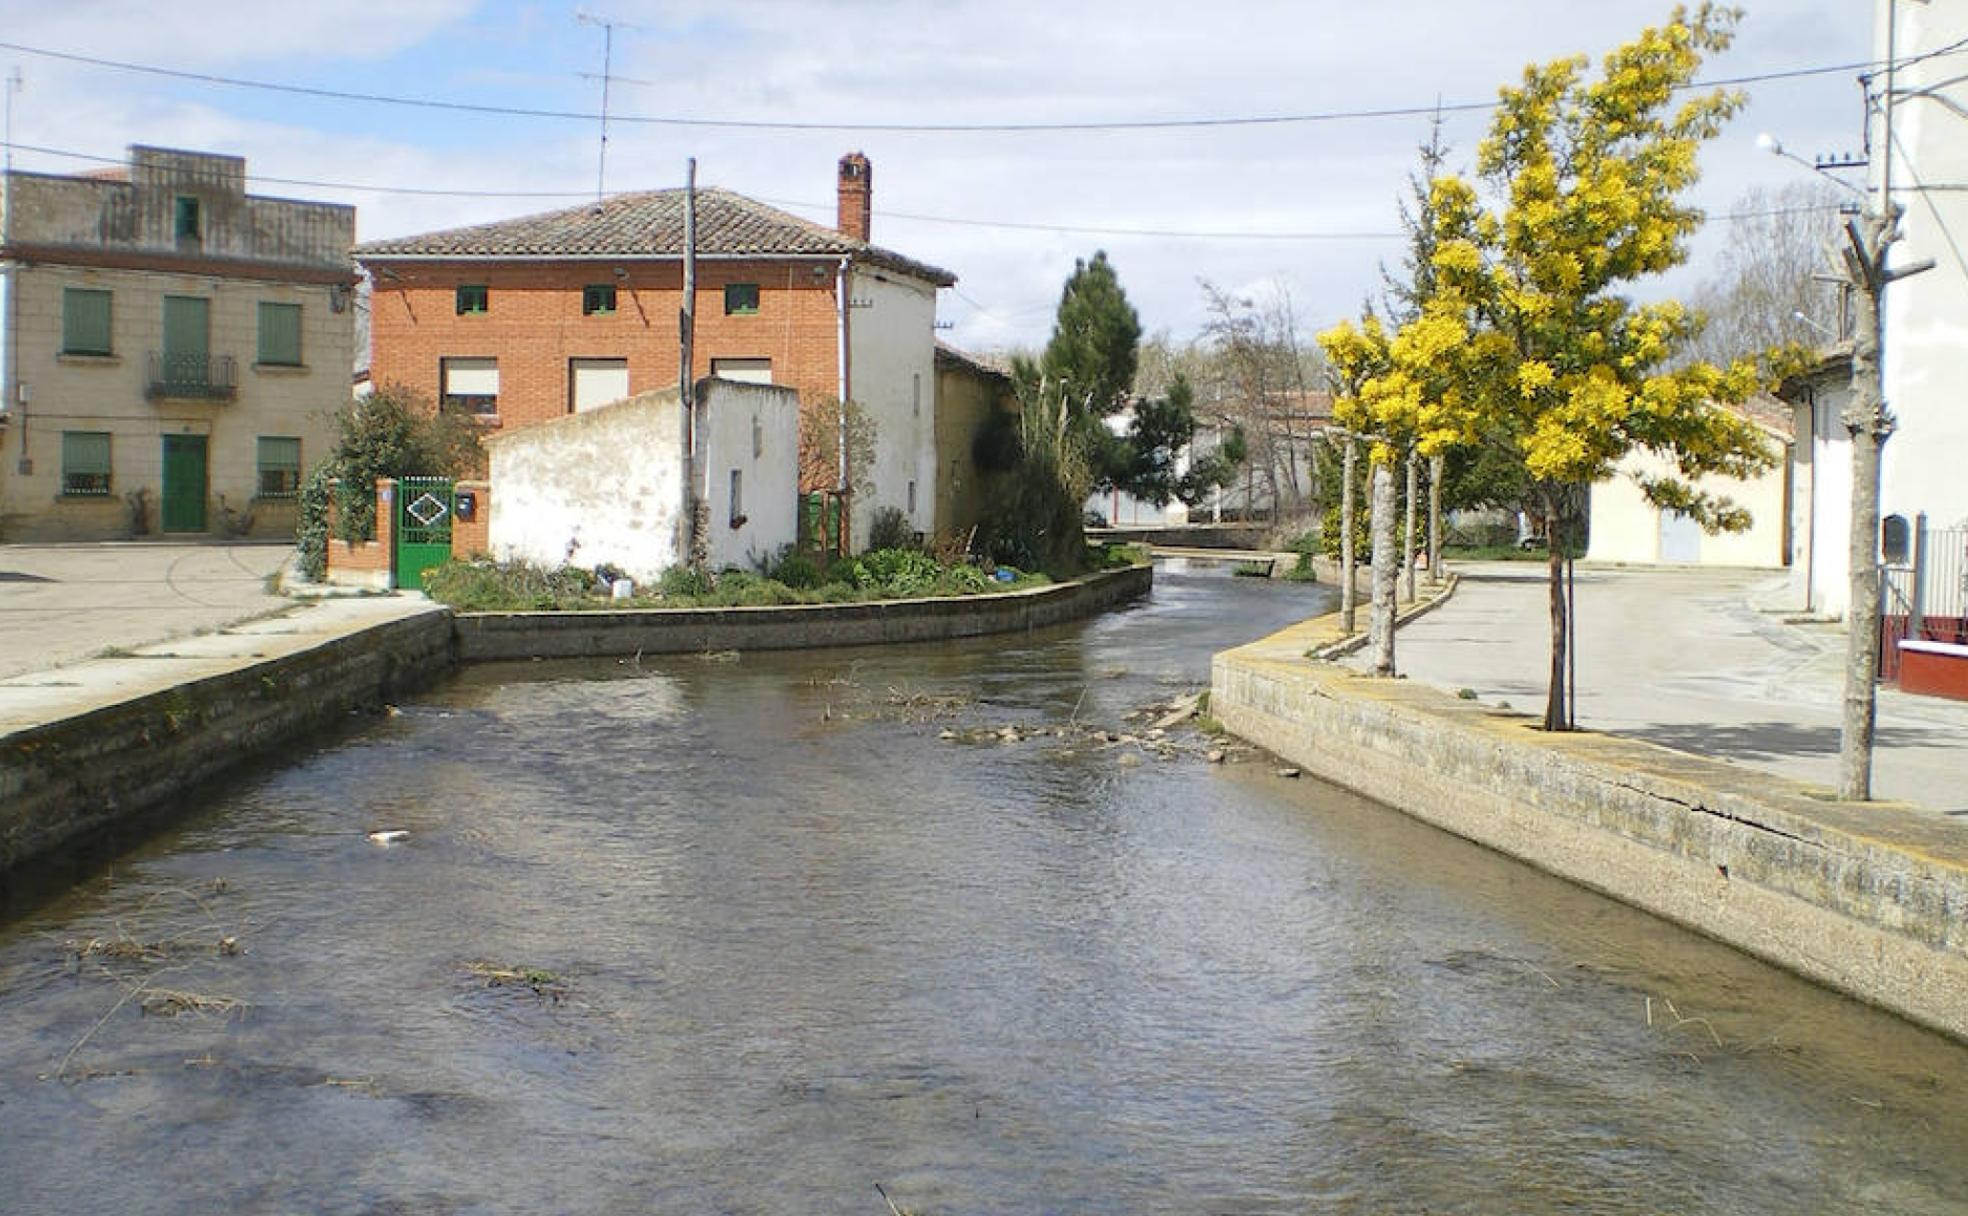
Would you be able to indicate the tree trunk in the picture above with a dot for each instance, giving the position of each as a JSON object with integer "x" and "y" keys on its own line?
{"x": 1408, "y": 530}
{"x": 1435, "y": 468}
{"x": 1349, "y": 592}
{"x": 1556, "y": 716}
{"x": 1867, "y": 420}
{"x": 1381, "y": 613}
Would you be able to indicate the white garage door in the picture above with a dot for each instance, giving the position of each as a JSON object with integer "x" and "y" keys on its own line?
{"x": 597, "y": 381}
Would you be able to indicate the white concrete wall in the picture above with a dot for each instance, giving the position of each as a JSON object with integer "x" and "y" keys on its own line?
{"x": 601, "y": 486}
{"x": 1627, "y": 528}
{"x": 1825, "y": 491}
{"x": 892, "y": 354}
{"x": 753, "y": 428}
{"x": 1927, "y": 315}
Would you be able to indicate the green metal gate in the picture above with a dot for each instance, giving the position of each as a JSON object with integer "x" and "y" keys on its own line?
{"x": 423, "y": 528}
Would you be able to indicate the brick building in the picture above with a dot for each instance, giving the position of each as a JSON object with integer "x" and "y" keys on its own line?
{"x": 529, "y": 319}
{"x": 172, "y": 349}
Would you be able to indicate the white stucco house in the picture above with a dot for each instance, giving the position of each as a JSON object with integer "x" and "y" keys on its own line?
{"x": 1628, "y": 529}
{"x": 608, "y": 485}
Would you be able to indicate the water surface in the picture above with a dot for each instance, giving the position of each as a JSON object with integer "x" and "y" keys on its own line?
{"x": 790, "y": 942}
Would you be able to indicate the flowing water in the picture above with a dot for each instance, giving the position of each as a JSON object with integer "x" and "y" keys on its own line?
{"x": 751, "y": 935}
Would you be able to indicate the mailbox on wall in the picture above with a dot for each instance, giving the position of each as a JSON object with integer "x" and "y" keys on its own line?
{"x": 466, "y": 505}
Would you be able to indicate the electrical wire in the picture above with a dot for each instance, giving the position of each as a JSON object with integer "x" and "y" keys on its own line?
{"x": 917, "y": 217}
{"x": 1147, "y": 124}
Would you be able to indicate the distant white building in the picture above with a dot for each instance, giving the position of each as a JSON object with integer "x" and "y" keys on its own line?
{"x": 1627, "y": 528}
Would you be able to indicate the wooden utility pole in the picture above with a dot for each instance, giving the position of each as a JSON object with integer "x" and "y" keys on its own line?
{"x": 696, "y": 493}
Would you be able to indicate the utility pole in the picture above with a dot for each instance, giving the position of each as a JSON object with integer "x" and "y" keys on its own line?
{"x": 696, "y": 494}
{"x": 1869, "y": 239}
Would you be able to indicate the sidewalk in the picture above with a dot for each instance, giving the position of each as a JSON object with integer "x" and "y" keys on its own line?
{"x": 63, "y": 603}
{"x": 1678, "y": 657}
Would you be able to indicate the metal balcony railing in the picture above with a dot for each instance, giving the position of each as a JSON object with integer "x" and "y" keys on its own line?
{"x": 199, "y": 377}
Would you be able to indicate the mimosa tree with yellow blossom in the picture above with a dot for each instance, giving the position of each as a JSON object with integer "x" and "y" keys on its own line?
{"x": 1528, "y": 342}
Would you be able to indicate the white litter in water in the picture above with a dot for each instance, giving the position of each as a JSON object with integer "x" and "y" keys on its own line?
{"x": 389, "y": 837}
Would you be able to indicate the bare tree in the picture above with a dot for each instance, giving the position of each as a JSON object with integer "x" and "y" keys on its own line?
{"x": 1772, "y": 269}
{"x": 1258, "y": 377}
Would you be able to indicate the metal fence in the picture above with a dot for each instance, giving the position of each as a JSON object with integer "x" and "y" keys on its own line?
{"x": 1926, "y": 598}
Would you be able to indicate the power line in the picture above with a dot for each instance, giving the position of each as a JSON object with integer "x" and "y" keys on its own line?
{"x": 918, "y": 217}
{"x": 1151, "y": 124}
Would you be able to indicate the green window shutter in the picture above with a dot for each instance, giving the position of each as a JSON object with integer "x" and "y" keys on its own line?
{"x": 280, "y": 334}
{"x": 85, "y": 462}
{"x": 85, "y": 321}
{"x": 280, "y": 466}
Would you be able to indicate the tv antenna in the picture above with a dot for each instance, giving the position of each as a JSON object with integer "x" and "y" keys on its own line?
{"x": 608, "y": 27}
{"x": 13, "y": 86}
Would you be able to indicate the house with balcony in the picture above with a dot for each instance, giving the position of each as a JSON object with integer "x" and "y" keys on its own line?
{"x": 522, "y": 321}
{"x": 172, "y": 349}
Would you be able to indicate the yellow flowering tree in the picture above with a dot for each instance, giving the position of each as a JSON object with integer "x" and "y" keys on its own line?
{"x": 1529, "y": 340}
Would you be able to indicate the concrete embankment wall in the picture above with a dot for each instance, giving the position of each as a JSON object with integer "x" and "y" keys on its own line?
{"x": 1870, "y": 899}
{"x": 77, "y": 775}
{"x": 557, "y": 635}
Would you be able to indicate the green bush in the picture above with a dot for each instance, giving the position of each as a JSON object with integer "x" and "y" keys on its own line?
{"x": 891, "y": 529}
{"x": 902, "y": 572}
{"x": 683, "y": 581}
{"x": 796, "y": 570}
{"x": 311, "y": 526}
{"x": 487, "y": 586}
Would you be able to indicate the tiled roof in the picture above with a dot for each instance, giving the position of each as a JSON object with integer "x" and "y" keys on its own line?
{"x": 648, "y": 225}
{"x": 979, "y": 365}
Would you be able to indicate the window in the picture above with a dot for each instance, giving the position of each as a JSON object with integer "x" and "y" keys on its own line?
{"x": 473, "y": 298}
{"x": 741, "y": 299}
{"x": 85, "y": 321}
{"x": 186, "y": 224}
{"x": 280, "y": 466}
{"x": 85, "y": 463}
{"x": 470, "y": 386}
{"x": 912, "y": 498}
{"x": 737, "y": 498}
{"x": 915, "y": 394}
{"x": 280, "y": 335}
{"x": 745, "y": 371}
{"x": 598, "y": 299}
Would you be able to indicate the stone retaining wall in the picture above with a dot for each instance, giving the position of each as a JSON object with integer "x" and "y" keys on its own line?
{"x": 559, "y": 635}
{"x": 66, "y": 780}
{"x": 1870, "y": 899}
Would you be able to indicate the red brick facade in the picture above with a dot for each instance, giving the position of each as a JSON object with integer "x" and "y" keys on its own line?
{"x": 534, "y": 325}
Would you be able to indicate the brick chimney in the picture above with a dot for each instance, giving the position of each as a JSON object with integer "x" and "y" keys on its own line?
{"x": 857, "y": 191}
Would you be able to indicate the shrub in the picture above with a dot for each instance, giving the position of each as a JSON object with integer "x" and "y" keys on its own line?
{"x": 311, "y": 527}
{"x": 890, "y": 529}
{"x": 901, "y": 572}
{"x": 796, "y": 570}
{"x": 487, "y": 586}
{"x": 683, "y": 581}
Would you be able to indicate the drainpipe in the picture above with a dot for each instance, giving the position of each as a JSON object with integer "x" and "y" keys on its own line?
{"x": 841, "y": 277}
{"x": 686, "y": 380}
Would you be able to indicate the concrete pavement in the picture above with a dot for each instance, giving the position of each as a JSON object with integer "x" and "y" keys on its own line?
{"x": 1678, "y": 657}
{"x": 63, "y": 603}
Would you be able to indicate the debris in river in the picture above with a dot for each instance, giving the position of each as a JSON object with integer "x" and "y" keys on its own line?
{"x": 1286, "y": 772}
{"x": 388, "y": 836}
{"x": 544, "y": 984}
{"x": 169, "y": 1003}
{"x": 1179, "y": 711}
{"x": 1214, "y": 755}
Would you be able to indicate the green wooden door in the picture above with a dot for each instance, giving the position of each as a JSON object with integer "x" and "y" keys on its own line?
{"x": 184, "y": 483}
{"x": 187, "y": 345}
{"x": 423, "y": 528}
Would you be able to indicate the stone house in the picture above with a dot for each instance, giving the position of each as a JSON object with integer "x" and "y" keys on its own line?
{"x": 172, "y": 349}
{"x": 970, "y": 392}
{"x": 522, "y": 321}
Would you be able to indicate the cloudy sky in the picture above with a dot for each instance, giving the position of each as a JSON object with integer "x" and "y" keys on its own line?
{"x": 1306, "y": 205}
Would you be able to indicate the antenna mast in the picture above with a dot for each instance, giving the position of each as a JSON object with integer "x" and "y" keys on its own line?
{"x": 608, "y": 27}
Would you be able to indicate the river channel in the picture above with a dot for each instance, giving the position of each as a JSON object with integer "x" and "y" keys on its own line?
{"x": 759, "y": 933}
